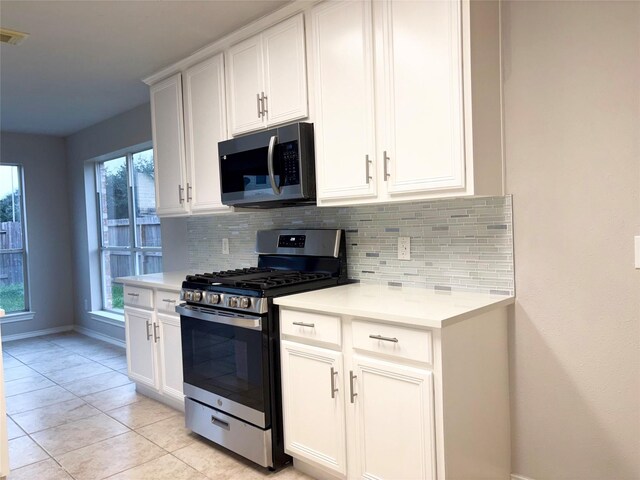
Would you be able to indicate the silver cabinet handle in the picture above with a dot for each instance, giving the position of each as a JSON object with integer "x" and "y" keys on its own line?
{"x": 180, "y": 197}
{"x": 272, "y": 177}
{"x": 302, "y": 324}
{"x": 333, "y": 382}
{"x": 219, "y": 423}
{"x": 133, "y": 294}
{"x": 386, "y": 339}
{"x": 259, "y": 102}
{"x": 352, "y": 377}
{"x": 168, "y": 300}
{"x": 367, "y": 162}
{"x": 148, "y": 332}
{"x": 386, "y": 159}
{"x": 265, "y": 105}
{"x": 189, "y": 198}
{"x": 155, "y": 332}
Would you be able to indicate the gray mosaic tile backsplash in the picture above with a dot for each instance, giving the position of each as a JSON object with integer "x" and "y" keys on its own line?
{"x": 461, "y": 244}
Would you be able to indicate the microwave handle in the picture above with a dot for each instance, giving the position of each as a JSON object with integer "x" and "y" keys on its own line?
{"x": 272, "y": 178}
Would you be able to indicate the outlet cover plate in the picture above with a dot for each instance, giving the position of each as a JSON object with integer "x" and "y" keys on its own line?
{"x": 404, "y": 248}
{"x": 225, "y": 246}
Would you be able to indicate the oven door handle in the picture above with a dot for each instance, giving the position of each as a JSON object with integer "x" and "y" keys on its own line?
{"x": 226, "y": 318}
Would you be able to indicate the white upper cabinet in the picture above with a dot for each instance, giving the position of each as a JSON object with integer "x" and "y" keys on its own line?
{"x": 205, "y": 126}
{"x": 344, "y": 100}
{"x": 245, "y": 85}
{"x": 185, "y": 139}
{"x": 266, "y": 77}
{"x": 168, "y": 146}
{"x": 414, "y": 87}
{"x": 422, "y": 125}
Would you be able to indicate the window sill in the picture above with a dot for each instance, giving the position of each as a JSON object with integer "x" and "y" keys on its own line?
{"x": 17, "y": 317}
{"x": 110, "y": 318}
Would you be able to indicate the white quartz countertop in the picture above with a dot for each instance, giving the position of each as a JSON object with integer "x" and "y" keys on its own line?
{"x": 405, "y": 305}
{"x": 168, "y": 280}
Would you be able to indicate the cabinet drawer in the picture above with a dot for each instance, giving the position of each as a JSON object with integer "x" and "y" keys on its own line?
{"x": 311, "y": 326}
{"x": 167, "y": 300}
{"x": 138, "y": 297}
{"x": 391, "y": 340}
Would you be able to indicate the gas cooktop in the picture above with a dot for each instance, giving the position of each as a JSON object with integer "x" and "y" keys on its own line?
{"x": 256, "y": 278}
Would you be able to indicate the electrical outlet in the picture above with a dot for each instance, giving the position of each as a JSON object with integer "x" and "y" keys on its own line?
{"x": 404, "y": 248}
{"x": 637, "y": 242}
{"x": 225, "y": 246}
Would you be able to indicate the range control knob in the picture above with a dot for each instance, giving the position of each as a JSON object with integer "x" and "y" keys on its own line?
{"x": 213, "y": 298}
{"x": 188, "y": 295}
{"x": 197, "y": 296}
{"x": 233, "y": 301}
{"x": 244, "y": 302}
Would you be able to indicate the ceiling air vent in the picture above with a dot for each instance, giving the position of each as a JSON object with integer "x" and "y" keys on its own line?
{"x": 11, "y": 36}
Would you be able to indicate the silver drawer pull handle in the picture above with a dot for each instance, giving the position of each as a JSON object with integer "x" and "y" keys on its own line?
{"x": 133, "y": 294}
{"x": 302, "y": 324}
{"x": 168, "y": 300}
{"x": 333, "y": 382}
{"x": 148, "y": 332}
{"x": 386, "y": 339}
{"x": 219, "y": 423}
{"x": 352, "y": 377}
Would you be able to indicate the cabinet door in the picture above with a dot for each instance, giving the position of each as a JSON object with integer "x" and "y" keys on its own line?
{"x": 422, "y": 93}
{"x": 313, "y": 404}
{"x": 285, "y": 71}
{"x": 141, "y": 353}
{"x": 246, "y": 85}
{"x": 168, "y": 146}
{"x": 205, "y": 126}
{"x": 344, "y": 100}
{"x": 394, "y": 420}
{"x": 170, "y": 355}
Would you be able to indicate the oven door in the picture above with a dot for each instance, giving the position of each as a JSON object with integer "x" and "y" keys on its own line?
{"x": 225, "y": 361}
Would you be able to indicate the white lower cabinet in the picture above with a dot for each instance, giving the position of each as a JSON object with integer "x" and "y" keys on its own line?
{"x": 313, "y": 402}
{"x": 384, "y": 406}
{"x": 141, "y": 351}
{"x": 394, "y": 424}
{"x": 379, "y": 399}
{"x": 170, "y": 353}
{"x": 154, "y": 349}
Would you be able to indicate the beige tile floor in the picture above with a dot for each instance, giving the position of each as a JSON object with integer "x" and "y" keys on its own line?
{"x": 74, "y": 414}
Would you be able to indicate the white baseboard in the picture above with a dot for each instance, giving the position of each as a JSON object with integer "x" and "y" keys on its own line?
{"x": 313, "y": 471}
{"x": 36, "y": 333}
{"x": 99, "y": 336}
{"x": 148, "y": 392}
{"x": 519, "y": 477}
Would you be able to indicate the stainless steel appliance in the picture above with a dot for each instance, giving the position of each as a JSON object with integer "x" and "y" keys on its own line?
{"x": 274, "y": 168}
{"x": 230, "y": 339}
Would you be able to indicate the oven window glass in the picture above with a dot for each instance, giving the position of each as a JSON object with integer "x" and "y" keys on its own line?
{"x": 226, "y": 360}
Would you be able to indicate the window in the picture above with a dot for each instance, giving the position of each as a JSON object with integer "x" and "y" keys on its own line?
{"x": 129, "y": 227}
{"x": 14, "y": 296}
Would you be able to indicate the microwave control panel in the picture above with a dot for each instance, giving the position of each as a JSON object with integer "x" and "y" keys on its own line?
{"x": 290, "y": 162}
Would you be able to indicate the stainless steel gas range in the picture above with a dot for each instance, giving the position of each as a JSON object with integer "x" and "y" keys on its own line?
{"x": 230, "y": 339}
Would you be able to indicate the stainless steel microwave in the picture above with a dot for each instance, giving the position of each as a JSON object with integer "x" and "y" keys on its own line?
{"x": 273, "y": 168}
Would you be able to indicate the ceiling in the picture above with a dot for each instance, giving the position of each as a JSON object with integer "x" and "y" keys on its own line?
{"x": 84, "y": 60}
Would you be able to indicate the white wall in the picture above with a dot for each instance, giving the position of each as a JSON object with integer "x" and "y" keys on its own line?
{"x": 46, "y": 185}
{"x": 121, "y": 132}
{"x": 572, "y": 129}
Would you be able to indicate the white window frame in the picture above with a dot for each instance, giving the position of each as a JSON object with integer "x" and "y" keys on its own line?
{"x": 134, "y": 251}
{"x": 25, "y": 314}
